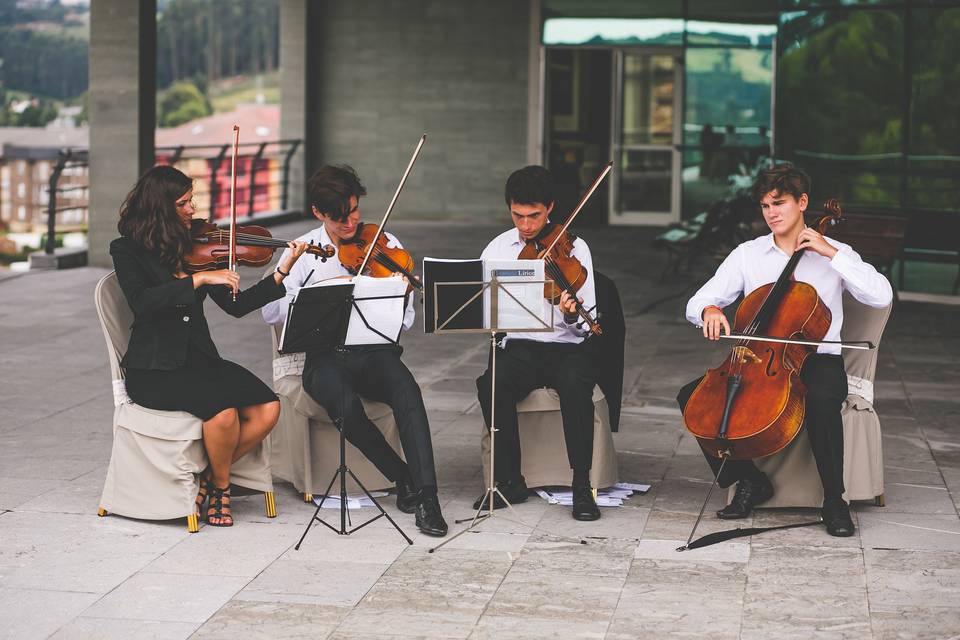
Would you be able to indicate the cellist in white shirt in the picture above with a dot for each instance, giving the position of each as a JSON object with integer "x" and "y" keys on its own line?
{"x": 831, "y": 267}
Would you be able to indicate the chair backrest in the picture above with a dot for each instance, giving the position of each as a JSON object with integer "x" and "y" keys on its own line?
{"x": 116, "y": 320}
{"x": 611, "y": 345}
{"x": 862, "y": 322}
{"x": 284, "y": 364}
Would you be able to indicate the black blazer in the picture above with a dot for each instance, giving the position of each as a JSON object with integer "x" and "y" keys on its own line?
{"x": 168, "y": 311}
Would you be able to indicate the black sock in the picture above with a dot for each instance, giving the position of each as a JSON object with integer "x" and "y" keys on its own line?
{"x": 581, "y": 478}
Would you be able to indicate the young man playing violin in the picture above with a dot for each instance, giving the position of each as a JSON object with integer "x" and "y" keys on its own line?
{"x": 558, "y": 359}
{"x": 830, "y": 267}
{"x": 335, "y": 379}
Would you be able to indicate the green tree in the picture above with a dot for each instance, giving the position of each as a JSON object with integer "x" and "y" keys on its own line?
{"x": 182, "y": 102}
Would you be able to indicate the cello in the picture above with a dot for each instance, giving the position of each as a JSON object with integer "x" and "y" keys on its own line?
{"x": 752, "y": 405}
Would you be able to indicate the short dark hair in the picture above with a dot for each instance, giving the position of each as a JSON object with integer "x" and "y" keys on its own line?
{"x": 782, "y": 178}
{"x": 531, "y": 185}
{"x": 330, "y": 189}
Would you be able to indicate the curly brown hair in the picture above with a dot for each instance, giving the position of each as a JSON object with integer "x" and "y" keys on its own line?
{"x": 149, "y": 217}
{"x": 783, "y": 178}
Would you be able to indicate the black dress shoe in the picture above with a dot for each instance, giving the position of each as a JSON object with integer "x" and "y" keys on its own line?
{"x": 749, "y": 494}
{"x": 515, "y": 491}
{"x": 836, "y": 517}
{"x": 429, "y": 519}
{"x": 406, "y": 495}
{"x": 584, "y": 506}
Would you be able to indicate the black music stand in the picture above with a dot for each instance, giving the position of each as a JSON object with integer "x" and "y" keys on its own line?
{"x": 318, "y": 319}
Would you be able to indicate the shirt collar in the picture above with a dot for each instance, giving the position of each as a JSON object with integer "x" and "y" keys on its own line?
{"x": 324, "y": 238}
{"x": 515, "y": 239}
{"x": 768, "y": 244}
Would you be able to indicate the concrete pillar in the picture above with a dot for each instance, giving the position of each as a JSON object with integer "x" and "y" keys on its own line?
{"x": 535, "y": 86}
{"x": 299, "y": 92}
{"x": 122, "y": 104}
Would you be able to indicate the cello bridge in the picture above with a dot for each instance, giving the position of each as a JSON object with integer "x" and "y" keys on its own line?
{"x": 744, "y": 355}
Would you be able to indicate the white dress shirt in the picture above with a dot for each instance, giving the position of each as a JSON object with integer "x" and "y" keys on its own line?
{"x": 758, "y": 262}
{"x": 309, "y": 270}
{"x": 508, "y": 245}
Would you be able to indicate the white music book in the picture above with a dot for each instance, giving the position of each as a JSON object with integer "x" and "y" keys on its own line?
{"x": 384, "y": 313}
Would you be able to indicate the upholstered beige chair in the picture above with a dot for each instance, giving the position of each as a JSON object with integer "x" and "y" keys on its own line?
{"x": 793, "y": 471}
{"x": 157, "y": 454}
{"x": 543, "y": 459}
{"x": 305, "y": 444}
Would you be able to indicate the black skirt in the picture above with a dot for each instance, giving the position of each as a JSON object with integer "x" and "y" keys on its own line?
{"x": 204, "y": 386}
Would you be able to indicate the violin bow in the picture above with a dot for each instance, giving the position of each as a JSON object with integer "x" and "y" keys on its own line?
{"x": 232, "y": 256}
{"x": 393, "y": 201}
{"x": 583, "y": 201}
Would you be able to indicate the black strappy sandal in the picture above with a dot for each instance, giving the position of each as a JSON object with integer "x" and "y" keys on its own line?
{"x": 206, "y": 482}
{"x": 219, "y": 507}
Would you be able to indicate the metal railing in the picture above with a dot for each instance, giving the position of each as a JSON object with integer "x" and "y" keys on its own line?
{"x": 67, "y": 158}
{"x": 255, "y": 158}
{"x": 206, "y": 165}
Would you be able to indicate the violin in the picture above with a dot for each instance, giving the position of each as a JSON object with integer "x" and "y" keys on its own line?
{"x": 752, "y": 405}
{"x": 554, "y": 245}
{"x": 566, "y": 272}
{"x": 384, "y": 261}
{"x": 367, "y": 252}
{"x": 254, "y": 247}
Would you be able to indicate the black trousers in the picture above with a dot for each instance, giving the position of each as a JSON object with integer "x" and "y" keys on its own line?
{"x": 525, "y": 365}
{"x": 337, "y": 379}
{"x": 826, "y": 382}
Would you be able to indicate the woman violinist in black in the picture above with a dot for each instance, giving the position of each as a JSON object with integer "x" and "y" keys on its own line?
{"x": 171, "y": 363}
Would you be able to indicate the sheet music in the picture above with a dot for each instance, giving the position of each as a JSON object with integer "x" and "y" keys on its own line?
{"x": 385, "y": 315}
{"x": 520, "y": 278}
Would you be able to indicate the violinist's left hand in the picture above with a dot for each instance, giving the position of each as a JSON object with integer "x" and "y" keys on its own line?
{"x": 286, "y": 263}
{"x": 568, "y": 304}
{"x": 812, "y": 240}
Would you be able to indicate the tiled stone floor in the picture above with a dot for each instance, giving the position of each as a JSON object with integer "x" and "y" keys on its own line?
{"x": 65, "y": 573}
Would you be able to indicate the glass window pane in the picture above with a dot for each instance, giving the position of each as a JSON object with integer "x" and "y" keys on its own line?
{"x": 603, "y": 31}
{"x": 934, "y": 166}
{"x": 645, "y": 180}
{"x": 726, "y": 129}
{"x": 730, "y": 34}
{"x": 648, "y": 99}
{"x": 840, "y": 101}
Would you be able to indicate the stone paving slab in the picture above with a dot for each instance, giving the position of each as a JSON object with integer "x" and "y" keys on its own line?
{"x": 65, "y": 573}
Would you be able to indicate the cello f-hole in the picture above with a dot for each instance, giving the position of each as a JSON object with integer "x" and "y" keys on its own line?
{"x": 771, "y": 356}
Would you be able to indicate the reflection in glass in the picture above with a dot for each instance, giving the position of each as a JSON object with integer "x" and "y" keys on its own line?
{"x": 612, "y": 31}
{"x": 648, "y": 99}
{"x": 645, "y": 180}
{"x": 840, "y": 99}
{"x": 726, "y": 129}
{"x": 934, "y": 162}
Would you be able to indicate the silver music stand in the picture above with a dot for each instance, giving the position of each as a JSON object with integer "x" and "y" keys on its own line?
{"x": 495, "y": 287}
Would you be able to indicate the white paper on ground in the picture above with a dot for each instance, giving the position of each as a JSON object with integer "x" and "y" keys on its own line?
{"x": 353, "y": 502}
{"x": 606, "y": 497}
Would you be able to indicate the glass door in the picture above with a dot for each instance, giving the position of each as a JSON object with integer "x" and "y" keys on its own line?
{"x": 646, "y": 137}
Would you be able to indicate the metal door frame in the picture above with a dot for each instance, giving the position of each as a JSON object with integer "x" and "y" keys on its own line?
{"x": 614, "y": 216}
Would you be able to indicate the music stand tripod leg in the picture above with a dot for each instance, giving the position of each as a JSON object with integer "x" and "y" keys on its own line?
{"x": 492, "y": 489}
{"x": 342, "y": 472}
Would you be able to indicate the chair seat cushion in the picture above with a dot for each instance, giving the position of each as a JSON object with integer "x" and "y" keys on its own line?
{"x": 164, "y": 425}
{"x": 546, "y": 399}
